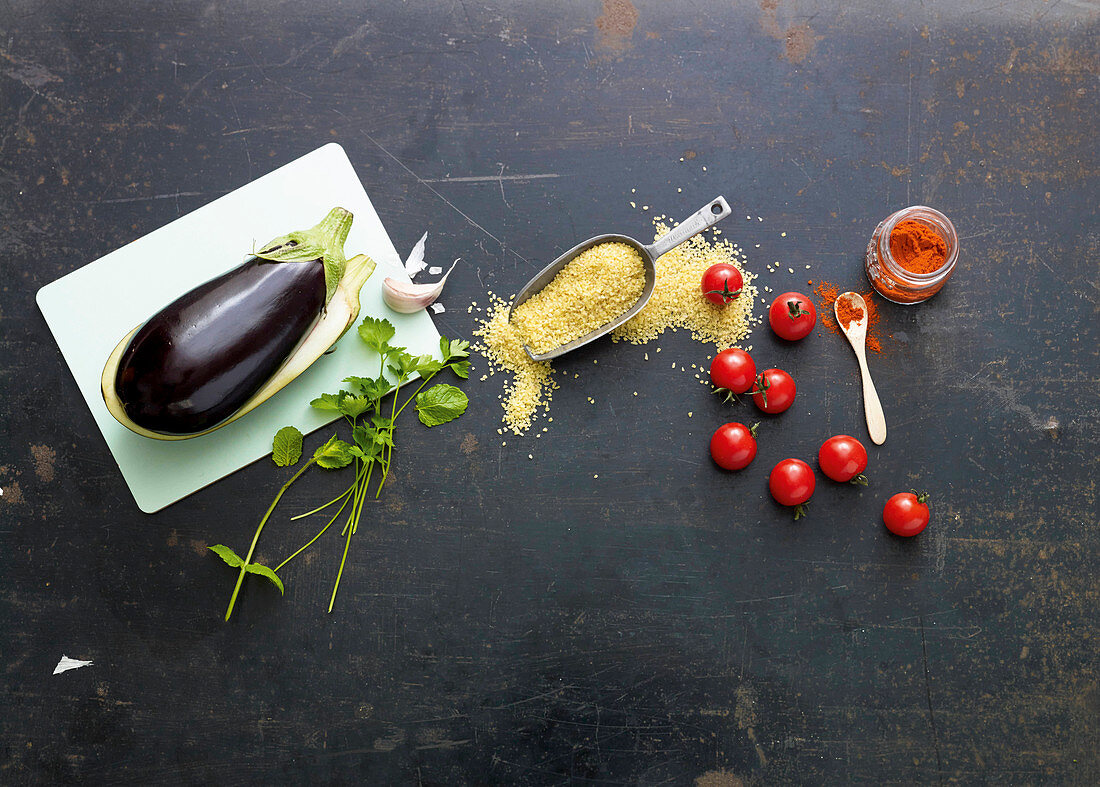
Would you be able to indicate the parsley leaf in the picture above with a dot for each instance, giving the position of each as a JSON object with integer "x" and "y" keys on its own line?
{"x": 377, "y": 333}
{"x": 361, "y": 382}
{"x": 404, "y": 365}
{"x": 328, "y": 401}
{"x": 354, "y": 406}
{"x": 426, "y": 366}
{"x": 462, "y": 369}
{"x": 454, "y": 348}
{"x": 286, "y": 448}
{"x": 440, "y": 404}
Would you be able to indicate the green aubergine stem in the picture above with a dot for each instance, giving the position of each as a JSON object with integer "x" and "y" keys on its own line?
{"x": 324, "y": 242}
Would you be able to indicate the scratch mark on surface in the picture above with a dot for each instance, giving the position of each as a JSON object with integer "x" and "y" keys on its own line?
{"x": 928, "y": 697}
{"x": 500, "y": 181}
{"x": 174, "y": 195}
{"x": 446, "y": 201}
{"x": 491, "y": 178}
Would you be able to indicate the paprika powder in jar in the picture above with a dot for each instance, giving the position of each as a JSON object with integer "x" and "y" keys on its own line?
{"x": 912, "y": 254}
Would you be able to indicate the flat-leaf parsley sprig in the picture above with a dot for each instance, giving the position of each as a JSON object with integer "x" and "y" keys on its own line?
{"x": 372, "y": 424}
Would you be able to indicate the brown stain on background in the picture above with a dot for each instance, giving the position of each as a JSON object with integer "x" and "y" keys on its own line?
{"x": 616, "y": 25}
{"x": 44, "y": 457}
{"x": 718, "y": 779}
{"x": 799, "y": 40}
{"x": 469, "y": 444}
{"x": 13, "y": 494}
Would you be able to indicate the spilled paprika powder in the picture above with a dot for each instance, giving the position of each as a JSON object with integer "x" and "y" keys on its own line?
{"x": 917, "y": 248}
{"x": 828, "y": 293}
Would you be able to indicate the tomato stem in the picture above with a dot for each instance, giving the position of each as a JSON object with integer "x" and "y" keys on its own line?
{"x": 794, "y": 310}
{"x": 727, "y": 294}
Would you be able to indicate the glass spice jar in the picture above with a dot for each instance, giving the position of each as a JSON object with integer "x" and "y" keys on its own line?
{"x": 889, "y": 278}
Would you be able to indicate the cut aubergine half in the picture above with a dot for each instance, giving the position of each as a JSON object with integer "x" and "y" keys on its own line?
{"x": 225, "y": 347}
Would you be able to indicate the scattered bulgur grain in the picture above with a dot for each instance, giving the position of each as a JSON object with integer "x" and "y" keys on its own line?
{"x": 676, "y": 303}
{"x": 531, "y": 385}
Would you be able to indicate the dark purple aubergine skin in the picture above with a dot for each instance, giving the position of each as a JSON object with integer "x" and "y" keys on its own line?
{"x": 201, "y": 357}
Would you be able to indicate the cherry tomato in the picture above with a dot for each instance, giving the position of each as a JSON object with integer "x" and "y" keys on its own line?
{"x": 792, "y": 483}
{"x": 843, "y": 458}
{"x": 774, "y": 391}
{"x": 733, "y": 446}
{"x": 792, "y": 316}
{"x": 732, "y": 370}
{"x": 906, "y": 514}
{"x": 721, "y": 283}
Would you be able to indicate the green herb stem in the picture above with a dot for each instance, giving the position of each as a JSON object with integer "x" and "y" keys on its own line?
{"x": 323, "y": 529}
{"x": 340, "y": 573}
{"x": 256, "y": 537}
{"x": 326, "y": 505}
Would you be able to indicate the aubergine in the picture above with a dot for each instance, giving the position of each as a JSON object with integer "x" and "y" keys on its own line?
{"x": 226, "y": 346}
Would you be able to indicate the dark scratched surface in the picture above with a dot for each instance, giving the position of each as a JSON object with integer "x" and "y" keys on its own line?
{"x": 514, "y": 620}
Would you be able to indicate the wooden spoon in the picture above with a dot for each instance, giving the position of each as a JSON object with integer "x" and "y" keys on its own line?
{"x": 856, "y": 331}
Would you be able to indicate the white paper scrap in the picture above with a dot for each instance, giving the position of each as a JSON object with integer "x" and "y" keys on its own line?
{"x": 67, "y": 664}
{"x": 437, "y": 308}
{"x": 415, "y": 263}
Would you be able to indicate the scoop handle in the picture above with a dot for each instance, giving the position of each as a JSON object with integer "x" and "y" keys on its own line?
{"x": 707, "y": 216}
{"x": 872, "y": 407}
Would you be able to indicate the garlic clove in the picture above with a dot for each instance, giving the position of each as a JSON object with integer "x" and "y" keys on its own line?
{"x": 406, "y": 298}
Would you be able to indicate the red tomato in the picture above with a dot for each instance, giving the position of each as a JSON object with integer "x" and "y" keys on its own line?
{"x": 843, "y": 458}
{"x": 792, "y": 315}
{"x": 733, "y": 446}
{"x": 792, "y": 483}
{"x": 906, "y": 514}
{"x": 774, "y": 391}
{"x": 721, "y": 283}
{"x": 732, "y": 370}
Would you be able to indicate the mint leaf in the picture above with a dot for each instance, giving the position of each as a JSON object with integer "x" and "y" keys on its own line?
{"x": 328, "y": 401}
{"x": 440, "y": 404}
{"x": 286, "y": 449}
{"x": 334, "y": 454}
{"x": 376, "y": 333}
{"x": 354, "y": 406}
{"x": 227, "y": 554}
{"x": 264, "y": 571}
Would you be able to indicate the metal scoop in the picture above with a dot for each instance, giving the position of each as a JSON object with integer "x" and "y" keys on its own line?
{"x": 707, "y": 216}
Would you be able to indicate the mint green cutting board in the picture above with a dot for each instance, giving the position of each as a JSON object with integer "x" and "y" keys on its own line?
{"x": 91, "y": 309}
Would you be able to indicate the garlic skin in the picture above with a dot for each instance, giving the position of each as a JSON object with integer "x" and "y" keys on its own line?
{"x": 406, "y": 298}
